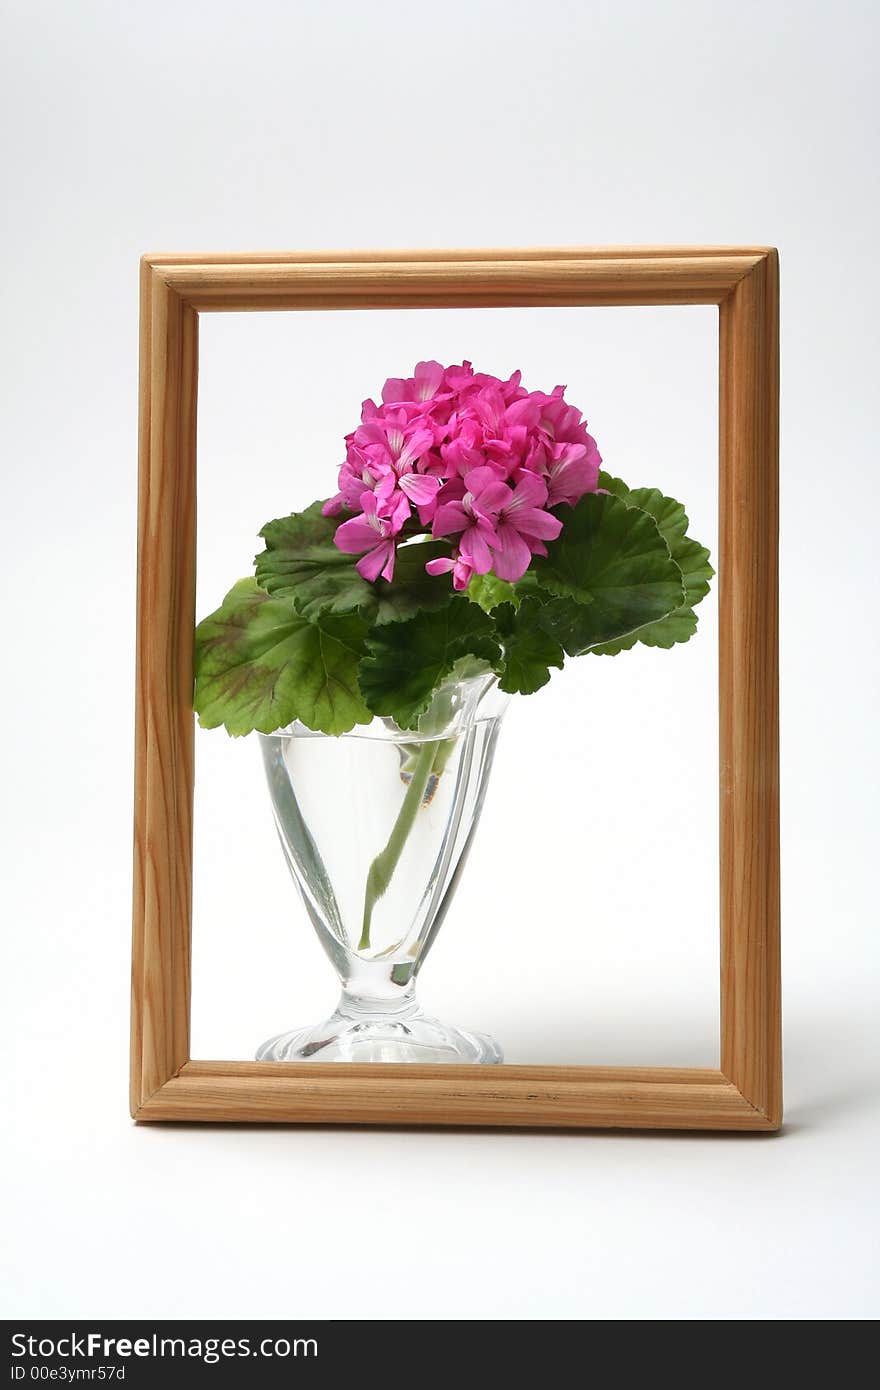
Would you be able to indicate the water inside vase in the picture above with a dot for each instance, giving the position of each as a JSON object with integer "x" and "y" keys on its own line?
{"x": 407, "y": 803}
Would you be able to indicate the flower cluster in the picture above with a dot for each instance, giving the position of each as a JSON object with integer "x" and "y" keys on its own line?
{"x": 471, "y": 459}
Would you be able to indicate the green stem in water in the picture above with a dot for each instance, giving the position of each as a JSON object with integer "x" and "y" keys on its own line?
{"x": 385, "y": 863}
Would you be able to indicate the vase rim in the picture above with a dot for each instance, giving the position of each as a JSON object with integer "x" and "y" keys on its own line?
{"x": 388, "y": 732}
{"x": 488, "y": 707}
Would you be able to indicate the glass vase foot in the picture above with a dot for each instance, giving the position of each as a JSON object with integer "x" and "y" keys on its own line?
{"x": 415, "y": 1037}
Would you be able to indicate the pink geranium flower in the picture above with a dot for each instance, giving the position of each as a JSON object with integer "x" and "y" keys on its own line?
{"x": 374, "y": 533}
{"x": 480, "y": 459}
{"x": 424, "y": 384}
{"x": 393, "y": 446}
{"x": 355, "y": 477}
{"x": 572, "y": 471}
{"x": 522, "y": 527}
{"x": 462, "y": 569}
{"x": 467, "y": 509}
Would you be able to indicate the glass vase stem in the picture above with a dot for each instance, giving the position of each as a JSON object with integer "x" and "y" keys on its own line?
{"x": 383, "y": 866}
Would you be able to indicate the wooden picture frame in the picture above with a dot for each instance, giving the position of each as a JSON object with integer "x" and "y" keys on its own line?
{"x": 746, "y": 1092}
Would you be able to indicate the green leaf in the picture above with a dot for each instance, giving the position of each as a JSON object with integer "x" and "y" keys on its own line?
{"x": 260, "y": 665}
{"x": 489, "y": 591}
{"x": 412, "y": 589}
{"x": 302, "y": 563}
{"x": 671, "y": 518}
{"x": 611, "y": 572}
{"x": 407, "y": 661}
{"x": 529, "y": 651}
{"x": 691, "y": 558}
{"x": 612, "y": 484}
{"x": 678, "y": 626}
{"x": 693, "y": 561}
{"x": 669, "y": 515}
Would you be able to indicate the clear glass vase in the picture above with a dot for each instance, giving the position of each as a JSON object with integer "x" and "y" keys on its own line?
{"x": 376, "y": 825}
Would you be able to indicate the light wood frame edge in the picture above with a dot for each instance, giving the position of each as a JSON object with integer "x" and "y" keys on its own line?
{"x": 746, "y": 1093}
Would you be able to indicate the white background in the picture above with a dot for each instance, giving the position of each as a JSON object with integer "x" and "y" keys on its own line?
{"x": 190, "y": 126}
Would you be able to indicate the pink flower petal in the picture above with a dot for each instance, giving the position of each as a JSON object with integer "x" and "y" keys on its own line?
{"x": 449, "y": 518}
{"x": 474, "y": 548}
{"x": 442, "y": 565}
{"x": 386, "y": 485}
{"x": 511, "y": 556}
{"x": 477, "y": 479}
{"x": 388, "y": 570}
{"x": 531, "y": 521}
{"x": 394, "y": 390}
{"x": 428, "y": 379}
{"x": 524, "y": 411}
{"x": 426, "y": 513}
{"x": 397, "y": 512}
{"x": 568, "y": 453}
{"x": 380, "y": 560}
{"x": 493, "y": 498}
{"x": 461, "y": 574}
{"x": 372, "y": 432}
{"x": 418, "y": 443}
{"x": 355, "y": 535}
{"x": 570, "y": 479}
{"x": 419, "y": 488}
{"x": 530, "y": 491}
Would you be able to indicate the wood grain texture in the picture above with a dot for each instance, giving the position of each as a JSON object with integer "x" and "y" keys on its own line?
{"x": 163, "y": 717}
{"x": 501, "y": 281}
{"x": 751, "y": 1030}
{"x": 746, "y": 1093}
{"x": 576, "y": 1097}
